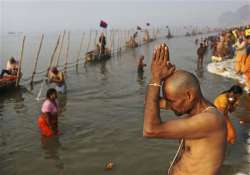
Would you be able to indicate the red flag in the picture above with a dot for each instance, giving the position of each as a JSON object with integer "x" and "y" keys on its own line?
{"x": 138, "y": 28}
{"x": 103, "y": 24}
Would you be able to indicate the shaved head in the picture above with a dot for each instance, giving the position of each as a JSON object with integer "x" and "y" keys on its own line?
{"x": 181, "y": 81}
{"x": 183, "y": 89}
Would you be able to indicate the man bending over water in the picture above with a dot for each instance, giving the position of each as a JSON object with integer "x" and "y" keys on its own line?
{"x": 200, "y": 126}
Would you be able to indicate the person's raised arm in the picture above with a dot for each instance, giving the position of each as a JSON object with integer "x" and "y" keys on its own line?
{"x": 160, "y": 70}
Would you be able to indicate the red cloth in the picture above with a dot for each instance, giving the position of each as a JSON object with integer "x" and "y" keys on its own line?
{"x": 103, "y": 24}
{"x": 8, "y": 78}
{"x": 44, "y": 127}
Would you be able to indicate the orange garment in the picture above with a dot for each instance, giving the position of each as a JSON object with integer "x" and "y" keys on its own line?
{"x": 246, "y": 71}
{"x": 240, "y": 55}
{"x": 239, "y": 62}
{"x": 221, "y": 102}
{"x": 44, "y": 127}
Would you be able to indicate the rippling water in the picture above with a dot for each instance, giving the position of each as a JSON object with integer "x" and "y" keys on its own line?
{"x": 101, "y": 120}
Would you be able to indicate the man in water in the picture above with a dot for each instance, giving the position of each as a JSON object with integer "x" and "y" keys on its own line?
{"x": 200, "y": 126}
{"x": 57, "y": 77}
{"x": 200, "y": 54}
{"x": 102, "y": 43}
{"x": 11, "y": 67}
{"x": 141, "y": 64}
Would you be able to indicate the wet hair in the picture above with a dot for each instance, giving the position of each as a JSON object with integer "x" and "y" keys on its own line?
{"x": 54, "y": 70}
{"x": 236, "y": 89}
{"x": 50, "y": 91}
{"x": 12, "y": 60}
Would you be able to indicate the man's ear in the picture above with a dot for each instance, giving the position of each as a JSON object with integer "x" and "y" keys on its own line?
{"x": 189, "y": 96}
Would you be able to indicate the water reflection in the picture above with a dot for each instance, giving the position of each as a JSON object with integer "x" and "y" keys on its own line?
{"x": 199, "y": 72}
{"x": 103, "y": 69}
{"x": 14, "y": 96}
{"x": 51, "y": 147}
{"x": 62, "y": 99}
{"x": 140, "y": 78}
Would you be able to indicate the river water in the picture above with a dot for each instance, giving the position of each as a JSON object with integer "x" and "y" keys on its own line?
{"x": 101, "y": 119}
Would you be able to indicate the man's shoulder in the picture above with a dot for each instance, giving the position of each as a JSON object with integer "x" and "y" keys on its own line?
{"x": 212, "y": 117}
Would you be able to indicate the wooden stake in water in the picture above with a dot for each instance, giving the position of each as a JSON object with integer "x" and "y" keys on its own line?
{"x": 90, "y": 36}
{"x": 80, "y": 49}
{"x": 36, "y": 59}
{"x": 20, "y": 62}
{"x": 53, "y": 54}
{"x": 60, "y": 49}
{"x": 111, "y": 41}
{"x": 67, "y": 53}
{"x": 95, "y": 39}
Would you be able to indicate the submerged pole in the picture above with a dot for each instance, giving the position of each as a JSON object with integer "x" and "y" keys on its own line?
{"x": 67, "y": 53}
{"x": 60, "y": 49}
{"x": 53, "y": 54}
{"x": 80, "y": 49}
{"x": 36, "y": 59}
{"x": 20, "y": 62}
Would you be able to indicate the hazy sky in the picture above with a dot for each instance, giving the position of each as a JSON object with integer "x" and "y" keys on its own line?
{"x": 49, "y": 15}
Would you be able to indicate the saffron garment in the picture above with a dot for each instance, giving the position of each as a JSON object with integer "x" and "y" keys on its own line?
{"x": 44, "y": 127}
{"x": 47, "y": 107}
{"x": 221, "y": 102}
{"x": 246, "y": 71}
{"x": 240, "y": 56}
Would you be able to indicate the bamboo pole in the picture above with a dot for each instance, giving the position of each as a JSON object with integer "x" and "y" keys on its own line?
{"x": 118, "y": 42}
{"x": 110, "y": 40}
{"x": 80, "y": 49}
{"x": 67, "y": 53}
{"x": 120, "y": 36}
{"x": 113, "y": 40}
{"x": 36, "y": 59}
{"x": 53, "y": 54}
{"x": 20, "y": 63}
{"x": 60, "y": 49}
{"x": 89, "y": 40}
{"x": 95, "y": 39}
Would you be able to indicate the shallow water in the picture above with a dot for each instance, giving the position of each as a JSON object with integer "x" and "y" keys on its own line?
{"x": 102, "y": 118}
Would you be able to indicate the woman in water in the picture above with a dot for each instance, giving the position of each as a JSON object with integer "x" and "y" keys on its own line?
{"x": 48, "y": 120}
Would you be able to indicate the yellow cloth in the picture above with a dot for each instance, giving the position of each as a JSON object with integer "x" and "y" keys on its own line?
{"x": 247, "y": 32}
{"x": 221, "y": 102}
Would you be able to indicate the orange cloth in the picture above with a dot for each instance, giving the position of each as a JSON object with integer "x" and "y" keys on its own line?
{"x": 44, "y": 127}
{"x": 246, "y": 71}
{"x": 221, "y": 102}
{"x": 239, "y": 62}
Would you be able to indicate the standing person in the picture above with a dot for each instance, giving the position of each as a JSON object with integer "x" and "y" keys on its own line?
{"x": 48, "y": 120}
{"x": 57, "y": 77}
{"x": 226, "y": 102}
{"x": 141, "y": 65}
{"x": 11, "y": 67}
{"x": 200, "y": 126}
{"x": 246, "y": 66}
{"x": 102, "y": 43}
{"x": 240, "y": 47}
{"x": 200, "y": 54}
